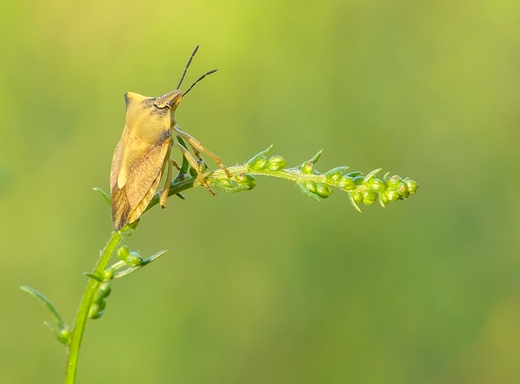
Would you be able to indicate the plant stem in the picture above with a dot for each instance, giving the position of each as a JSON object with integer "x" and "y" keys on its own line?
{"x": 84, "y": 307}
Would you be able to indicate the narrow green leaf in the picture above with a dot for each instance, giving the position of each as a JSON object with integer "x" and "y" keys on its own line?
{"x": 92, "y": 276}
{"x": 46, "y": 303}
{"x": 103, "y": 194}
{"x": 316, "y": 157}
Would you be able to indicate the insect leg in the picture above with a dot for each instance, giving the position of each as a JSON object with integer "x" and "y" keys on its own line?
{"x": 198, "y": 148}
{"x": 166, "y": 189}
{"x": 174, "y": 163}
{"x": 194, "y": 165}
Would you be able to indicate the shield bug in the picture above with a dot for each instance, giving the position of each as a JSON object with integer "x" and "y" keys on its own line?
{"x": 143, "y": 153}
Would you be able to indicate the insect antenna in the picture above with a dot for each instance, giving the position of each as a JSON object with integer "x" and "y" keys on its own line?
{"x": 187, "y": 66}
{"x": 199, "y": 79}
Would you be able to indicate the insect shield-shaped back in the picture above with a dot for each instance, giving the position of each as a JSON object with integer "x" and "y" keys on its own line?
{"x": 143, "y": 152}
{"x": 139, "y": 158}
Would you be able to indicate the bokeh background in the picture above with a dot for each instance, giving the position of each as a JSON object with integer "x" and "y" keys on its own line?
{"x": 269, "y": 286}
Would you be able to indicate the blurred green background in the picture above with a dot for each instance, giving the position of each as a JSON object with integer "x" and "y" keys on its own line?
{"x": 269, "y": 286}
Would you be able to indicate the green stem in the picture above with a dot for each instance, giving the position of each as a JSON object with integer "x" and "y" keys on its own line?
{"x": 84, "y": 307}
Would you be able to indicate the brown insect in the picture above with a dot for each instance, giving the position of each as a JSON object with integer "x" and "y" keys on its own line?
{"x": 143, "y": 152}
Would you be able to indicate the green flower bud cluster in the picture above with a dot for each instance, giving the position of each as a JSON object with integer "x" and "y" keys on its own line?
{"x": 260, "y": 162}
{"x": 368, "y": 189}
{"x": 98, "y": 303}
{"x": 130, "y": 258}
{"x": 315, "y": 190}
{"x": 131, "y": 261}
{"x": 239, "y": 182}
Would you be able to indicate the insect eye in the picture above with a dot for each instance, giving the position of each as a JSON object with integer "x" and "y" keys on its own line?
{"x": 161, "y": 106}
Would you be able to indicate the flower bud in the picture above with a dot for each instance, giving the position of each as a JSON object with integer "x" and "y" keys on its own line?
{"x": 357, "y": 196}
{"x": 108, "y": 274}
{"x": 405, "y": 195}
{"x": 401, "y": 189}
{"x": 65, "y": 334}
{"x": 122, "y": 253}
{"x": 202, "y": 166}
{"x": 276, "y": 163}
{"x": 258, "y": 161}
{"x": 394, "y": 181}
{"x": 346, "y": 183}
{"x": 323, "y": 190}
{"x": 102, "y": 292}
{"x": 335, "y": 174}
{"x": 307, "y": 167}
{"x": 245, "y": 179}
{"x": 134, "y": 259}
{"x": 258, "y": 164}
{"x": 311, "y": 186}
{"x": 224, "y": 182}
{"x": 392, "y": 195}
{"x": 411, "y": 185}
{"x": 369, "y": 197}
{"x": 95, "y": 311}
{"x": 377, "y": 185}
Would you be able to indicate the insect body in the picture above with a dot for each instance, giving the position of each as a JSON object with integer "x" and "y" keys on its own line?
{"x": 143, "y": 152}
